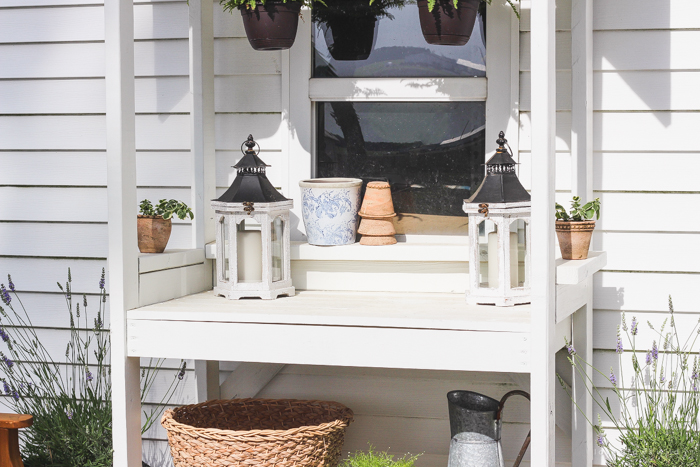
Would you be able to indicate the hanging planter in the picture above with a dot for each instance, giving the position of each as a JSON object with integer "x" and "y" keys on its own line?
{"x": 272, "y": 26}
{"x": 445, "y": 24}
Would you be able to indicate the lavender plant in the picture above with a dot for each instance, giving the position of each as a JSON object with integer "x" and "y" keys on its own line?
{"x": 658, "y": 423}
{"x": 70, "y": 400}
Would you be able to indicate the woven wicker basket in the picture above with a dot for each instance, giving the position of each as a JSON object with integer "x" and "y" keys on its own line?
{"x": 257, "y": 432}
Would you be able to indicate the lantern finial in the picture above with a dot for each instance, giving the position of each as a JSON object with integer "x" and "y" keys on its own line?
{"x": 250, "y": 144}
{"x": 501, "y": 141}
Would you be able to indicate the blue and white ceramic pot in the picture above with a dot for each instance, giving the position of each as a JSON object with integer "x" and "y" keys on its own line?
{"x": 329, "y": 208}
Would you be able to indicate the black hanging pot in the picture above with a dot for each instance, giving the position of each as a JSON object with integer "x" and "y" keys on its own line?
{"x": 349, "y": 28}
{"x": 446, "y": 25}
{"x": 272, "y": 26}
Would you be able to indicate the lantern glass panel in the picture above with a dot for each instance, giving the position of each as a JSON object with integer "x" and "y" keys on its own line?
{"x": 249, "y": 242}
{"x": 488, "y": 253}
{"x": 520, "y": 228}
{"x": 277, "y": 256}
{"x": 223, "y": 234}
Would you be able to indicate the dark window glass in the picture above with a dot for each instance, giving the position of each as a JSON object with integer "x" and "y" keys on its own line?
{"x": 393, "y": 45}
{"x": 432, "y": 154}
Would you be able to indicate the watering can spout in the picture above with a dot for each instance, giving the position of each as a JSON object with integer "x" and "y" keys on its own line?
{"x": 475, "y": 426}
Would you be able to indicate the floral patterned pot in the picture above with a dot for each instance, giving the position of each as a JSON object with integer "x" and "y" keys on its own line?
{"x": 329, "y": 208}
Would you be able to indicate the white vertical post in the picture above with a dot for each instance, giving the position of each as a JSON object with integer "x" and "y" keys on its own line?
{"x": 582, "y": 98}
{"x": 206, "y": 373}
{"x": 202, "y": 120}
{"x": 542, "y": 416}
{"x": 296, "y": 119}
{"x": 581, "y": 431}
{"x": 122, "y": 255}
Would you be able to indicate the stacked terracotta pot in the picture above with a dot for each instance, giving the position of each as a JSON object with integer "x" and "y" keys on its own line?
{"x": 377, "y": 210}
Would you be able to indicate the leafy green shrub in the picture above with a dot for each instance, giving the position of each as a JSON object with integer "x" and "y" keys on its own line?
{"x": 70, "y": 400}
{"x": 166, "y": 209}
{"x": 378, "y": 459}
{"x": 659, "y": 415}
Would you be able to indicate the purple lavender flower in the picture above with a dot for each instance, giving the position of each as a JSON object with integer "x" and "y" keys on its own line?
{"x": 69, "y": 413}
{"x": 88, "y": 375}
{"x": 600, "y": 441}
{"x": 102, "y": 279}
{"x": 634, "y": 326}
{"x": 7, "y": 361}
{"x": 10, "y": 284}
{"x": 619, "y": 348}
{"x": 5, "y": 295}
{"x": 3, "y": 335}
{"x": 613, "y": 379}
{"x": 662, "y": 378}
{"x": 654, "y": 351}
{"x": 695, "y": 375}
{"x": 15, "y": 396}
{"x": 648, "y": 358}
{"x": 6, "y": 387}
{"x": 695, "y": 387}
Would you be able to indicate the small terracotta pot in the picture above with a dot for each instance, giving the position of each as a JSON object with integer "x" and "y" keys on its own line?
{"x": 369, "y": 240}
{"x": 574, "y": 238}
{"x": 369, "y": 226}
{"x": 153, "y": 233}
{"x": 377, "y": 202}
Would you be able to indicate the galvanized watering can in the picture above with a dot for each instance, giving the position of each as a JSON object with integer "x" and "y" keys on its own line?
{"x": 475, "y": 426}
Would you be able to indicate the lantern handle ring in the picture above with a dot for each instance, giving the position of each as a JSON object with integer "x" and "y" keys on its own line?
{"x": 250, "y": 143}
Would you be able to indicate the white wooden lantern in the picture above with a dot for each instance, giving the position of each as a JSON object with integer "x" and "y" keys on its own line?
{"x": 252, "y": 234}
{"x": 499, "y": 235}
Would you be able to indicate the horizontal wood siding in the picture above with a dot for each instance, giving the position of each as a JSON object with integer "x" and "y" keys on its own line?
{"x": 646, "y": 107}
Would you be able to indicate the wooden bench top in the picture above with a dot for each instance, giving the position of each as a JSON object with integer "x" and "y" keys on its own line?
{"x": 13, "y": 420}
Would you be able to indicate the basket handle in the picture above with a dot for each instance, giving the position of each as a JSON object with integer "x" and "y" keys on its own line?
{"x": 501, "y": 404}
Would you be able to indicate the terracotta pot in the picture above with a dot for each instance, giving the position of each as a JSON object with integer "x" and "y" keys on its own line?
{"x": 574, "y": 238}
{"x": 377, "y": 202}
{"x": 369, "y": 240}
{"x": 369, "y": 226}
{"x": 153, "y": 233}
{"x": 445, "y": 25}
{"x": 272, "y": 26}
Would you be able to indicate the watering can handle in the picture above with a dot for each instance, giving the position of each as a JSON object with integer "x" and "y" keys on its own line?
{"x": 498, "y": 417}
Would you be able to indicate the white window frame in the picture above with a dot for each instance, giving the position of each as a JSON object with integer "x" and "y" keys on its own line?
{"x": 499, "y": 89}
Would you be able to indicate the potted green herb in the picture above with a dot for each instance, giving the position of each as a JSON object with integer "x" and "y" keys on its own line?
{"x": 575, "y": 228}
{"x": 350, "y": 26}
{"x": 269, "y": 24}
{"x": 450, "y": 22}
{"x": 378, "y": 459}
{"x": 154, "y": 224}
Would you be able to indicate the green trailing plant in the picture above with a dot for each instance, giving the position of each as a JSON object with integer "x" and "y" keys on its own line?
{"x": 372, "y": 458}
{"x": 658, "y": 419}
{"x": 578, "y": 213}
{"x": 512, "y": 3}
{"x": 70, "y": 399}
{"x": 230, "y": 5}
{"x": 166, "y": 209}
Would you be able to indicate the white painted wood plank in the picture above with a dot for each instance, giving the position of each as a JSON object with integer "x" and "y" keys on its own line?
{"x": 411, "y": 252}
{"x": 563, "y": 90}
{"x": 163, "y": 94}
{"x": 563, "y": 51}
{"x": 389, "y": 89}
{"x": 645, "y": 291}
{"x": 615, "y": 210}
{"x": 52, "y": 24}
{"x": 563, "y": 131}
{"x": 72, "y": 204}
{"x": 207, "y": 380}
{"x": 52, "y": 60}
{"x": 159, "y": 286}
{"x": 234, "y": 93}
{"x": 570, "y": 298}
{"x": 248, "y": 379}
{"x": 544, "y": 125}
{"x": 151, "y": 262}
{"x": 382, "y": 347}
{"x": 227, "y": 24}
{"x": 86, "y": 273}
{"x": 646, "y": 50}
{"x": 577, "y": 271}
{"x": 233, "y": 129}
{"x": 160, "y": 20}
{"x": 235, "y": 56}
{"x": 648, "y": 14}
{"x": 677, "y": 252}
{"x": 563, "y": 170}
{"x": 562, "y": 15}
{"x": 619, "y": 171}
{"x": 417, "y": 310}
{"x": 69, "y": 240}
{"x": 647, "y": 90}
{"x": 606, "y": 322}
{"x": 49, "y": 310}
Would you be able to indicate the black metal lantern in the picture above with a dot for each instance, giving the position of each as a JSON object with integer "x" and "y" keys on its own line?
{"x": 499, "y": 231}
{"x": 252, "y": 235}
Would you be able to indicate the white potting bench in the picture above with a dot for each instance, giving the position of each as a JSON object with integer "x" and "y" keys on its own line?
{"x": 443, "y": 331}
